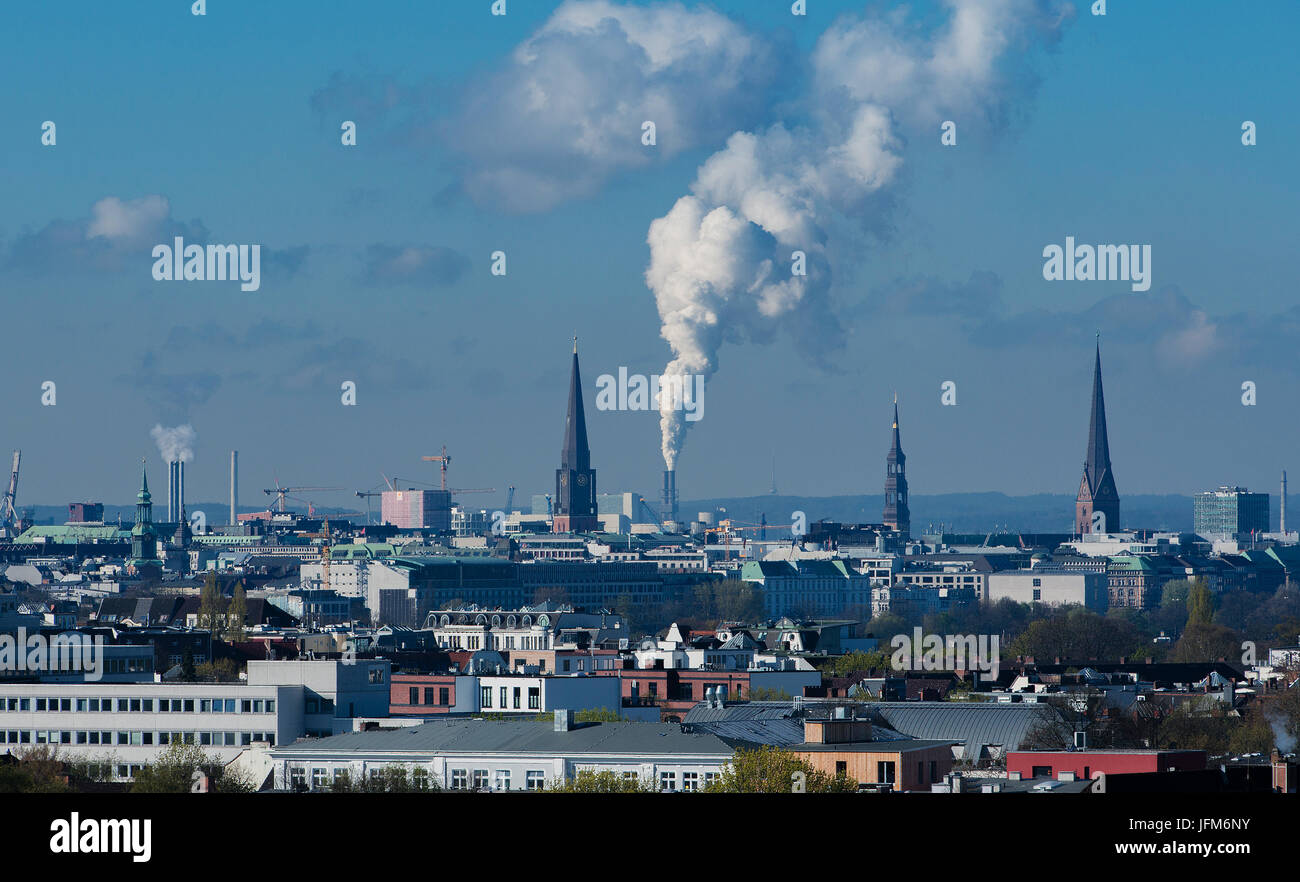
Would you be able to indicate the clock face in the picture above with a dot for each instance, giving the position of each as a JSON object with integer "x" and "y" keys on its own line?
{"x": 582, "y": 479}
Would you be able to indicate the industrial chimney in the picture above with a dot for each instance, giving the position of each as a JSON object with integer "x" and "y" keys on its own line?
{"x": 1283, "y": 524}
{"x": 234, "y": 487}
{"x": 172, "y": 478}
{"x": 668, "y": 500}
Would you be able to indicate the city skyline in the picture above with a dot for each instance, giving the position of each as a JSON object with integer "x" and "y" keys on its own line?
{"x": 368, "y": 280}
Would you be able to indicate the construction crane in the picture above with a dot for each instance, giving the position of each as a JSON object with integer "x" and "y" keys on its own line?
{"x": 325, "y": 567}
{"x": 366, "y": 494}
{"x": 8, "y": 513}
{"x": 443, "y": 461}
{"x": 449, "y": 490}
{"x": 282, "y": 492}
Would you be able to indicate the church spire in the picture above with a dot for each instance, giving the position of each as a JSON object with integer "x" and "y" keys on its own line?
{"x": 575, "y": 454}
{"x": 897, "y": 514}
{"x": 1097, "y": 491}
{"x": 575, "y": 479}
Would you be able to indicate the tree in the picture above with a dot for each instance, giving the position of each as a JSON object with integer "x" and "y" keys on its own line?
{"x": 588, "y": 781}
{"x": 188, "y": 672}
{"x": 210, "y": 602}
{"x": 236, "y": 613}
{"x": 1206, "y": 642}
{"x": 771, "y": 769}
{"x": 1200, "y": 604}
{"x": 38, "y": 770}
{"x": 852, "y": 662}
{"x": 223, "y": 670}
{"x": 177, "y": 769}
{"x": 389, "y": 778}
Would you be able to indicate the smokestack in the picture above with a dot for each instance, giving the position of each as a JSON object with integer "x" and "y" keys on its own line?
{"x": 234, "y": 487}
{"x": 180, "y": 490}
{"x": 1283, "y": 525}
{"x": 171, "y": 491}
{"x": 668, "y": 500}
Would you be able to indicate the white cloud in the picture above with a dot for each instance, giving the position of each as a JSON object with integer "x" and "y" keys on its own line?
{"x": 566, "y": 113}
{"x": 131, "y": 220}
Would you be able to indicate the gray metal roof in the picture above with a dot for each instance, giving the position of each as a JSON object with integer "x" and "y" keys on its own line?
{"x": 976, "y": 725}
{"x": 461, "y": 736}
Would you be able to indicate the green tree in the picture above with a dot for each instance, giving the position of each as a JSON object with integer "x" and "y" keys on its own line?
{"x": 188, "y": 671}
{"x": 587, "y": 781}
{"x": 852, "y": 662}
{"x": 1200, "y": 604}
{"x": 177, "y": 769}
{"x": 236, "y": 613}
{"x": 771, "y": 769}
{"x": 38, "y": 770}
{"x": 210, "y": 603}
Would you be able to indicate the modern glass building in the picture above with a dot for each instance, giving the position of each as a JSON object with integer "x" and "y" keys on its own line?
{"x": 1230, "y": 510}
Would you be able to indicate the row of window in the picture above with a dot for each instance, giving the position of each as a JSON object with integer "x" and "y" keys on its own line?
{"x": 140, "y": 705}
{"x": 500, "y": 779}
{"x": 442, "y": 699}
{"x": 534, "y": 697}
{"x": 133, "y": 739}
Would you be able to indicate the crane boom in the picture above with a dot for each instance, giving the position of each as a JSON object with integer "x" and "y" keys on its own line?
{"x": 8, "y": 506}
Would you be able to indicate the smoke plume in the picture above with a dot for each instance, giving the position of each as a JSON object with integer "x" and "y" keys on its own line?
{"x": 723, "y": 264}
{"x": 175, "y": 443}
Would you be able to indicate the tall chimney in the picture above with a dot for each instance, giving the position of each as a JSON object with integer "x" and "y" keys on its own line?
{"x": 171, "y": 492}
{"x": 180, "y": 489}
{"x": 1283, "y": 524}
{"x": 234, "y": 487}
{"x": 668, "y": 499}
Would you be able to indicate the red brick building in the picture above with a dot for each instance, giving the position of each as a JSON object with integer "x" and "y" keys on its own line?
{"x": 1086, "y": 763}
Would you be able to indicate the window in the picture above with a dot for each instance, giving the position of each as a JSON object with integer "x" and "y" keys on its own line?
{"x": 428, "y": 695}
{"x": 534, "y": 698}
{"x": 934, "y": 771}
{"x": 841, "y": 767}
{"x": 503, "y": 779}
{"x": 485, "y": 696}
{"x": 516, "y": 698}
{"x": 317, "y": 778}
{"x": 444, "y": 696}
{"x": 480, "y": 779}
{"x": 414, "y": 695}
{"x": 297, "y": 778}
{"x": 690, "y": 781}
{"x": 504, "y": 694}
{"x": 535, "y": 780}
{"x": 884, "y": 772}
{"x": 667, "y": 780}
{"x": 459, "y": 779}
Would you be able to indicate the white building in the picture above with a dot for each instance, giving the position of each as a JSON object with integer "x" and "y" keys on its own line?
{"x": 508, "y": 756}
{"x": 127, "y": 725}
{"x": 1053, "y": 588}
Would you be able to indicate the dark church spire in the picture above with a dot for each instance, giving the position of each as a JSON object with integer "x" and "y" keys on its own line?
{"x": 1097, "y": 491}
{"x": 575, "y": 454}
{"x": 575, "y": 479}
{"x": 897, "y": 513}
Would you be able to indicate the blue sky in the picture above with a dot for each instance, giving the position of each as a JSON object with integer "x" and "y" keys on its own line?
{"x": 1122, "y": 129}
